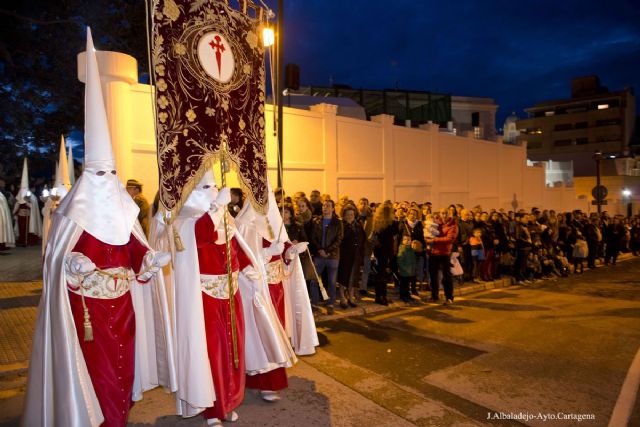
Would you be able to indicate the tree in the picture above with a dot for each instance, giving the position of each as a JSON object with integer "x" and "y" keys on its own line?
{"x": 40, "y": 95}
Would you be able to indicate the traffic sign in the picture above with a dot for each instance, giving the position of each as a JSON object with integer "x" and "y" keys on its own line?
{"x": 599, "y": 192}
{"x": 602, "y": 202}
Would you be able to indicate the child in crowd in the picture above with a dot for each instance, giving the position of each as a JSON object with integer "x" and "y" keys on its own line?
{"x": 580, "y": 253}
{"x": 477, "y": 253}
{"x": 548, "y": 264}
{"x": 417, "y": 247}
{"x": 562, "y": 264}
{"x": 533, "y": 270}
{"x": 406, "y": 268}
{"x": 431, "y": 228}
{"x": 456, "y": 269}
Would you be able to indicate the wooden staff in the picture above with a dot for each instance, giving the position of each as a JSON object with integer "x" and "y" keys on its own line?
{"x": 224, "y": 168}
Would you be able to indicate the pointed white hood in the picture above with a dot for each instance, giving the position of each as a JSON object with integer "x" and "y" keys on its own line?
{"x": 24, "y": 192}
{"x": 72, "y": 174}
{"x": 62, "y": 185}
{"x": 98, "y": 202}
{"x": 200, "y": 199}
{"x": 271, "y": 226}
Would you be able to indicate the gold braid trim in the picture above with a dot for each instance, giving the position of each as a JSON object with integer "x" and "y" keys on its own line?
{"x": 207, "y": 164}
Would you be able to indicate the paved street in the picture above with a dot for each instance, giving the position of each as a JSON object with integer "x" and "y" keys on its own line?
{"x": 552, "y": 348}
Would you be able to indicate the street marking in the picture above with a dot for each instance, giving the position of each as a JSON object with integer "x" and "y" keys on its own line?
{"x": 627, "y": 398}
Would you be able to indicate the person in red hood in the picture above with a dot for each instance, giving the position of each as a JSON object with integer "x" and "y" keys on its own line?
{"x": 439, "y": 259}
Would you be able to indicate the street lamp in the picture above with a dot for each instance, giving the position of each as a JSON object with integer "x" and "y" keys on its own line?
{"x": 268, "y": 37}
{"x": 597, "y": 156}
{"x": 626, "y": 194}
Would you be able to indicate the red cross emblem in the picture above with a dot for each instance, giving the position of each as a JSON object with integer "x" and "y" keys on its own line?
{"x": 218, "y": 47}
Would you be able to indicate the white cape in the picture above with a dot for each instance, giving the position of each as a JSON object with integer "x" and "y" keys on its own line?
{"x": 6, "y": 224}
{"x": 266, "y": 344}
{"x": 299, "y": 322}
{"x": 59, "y": 389}
{"x": 35, "y": 220}
{"x": 46, "y": 221}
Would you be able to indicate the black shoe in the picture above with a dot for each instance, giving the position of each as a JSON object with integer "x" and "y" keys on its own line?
{"x": 384, "y": 300}
{"x": 330, "y": 310}
{"x": 352, "y": 304}
{"x": 344, "y": 304}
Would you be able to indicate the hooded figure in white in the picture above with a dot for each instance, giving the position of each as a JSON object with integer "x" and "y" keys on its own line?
{"x": 103, "y": 331}
{"x": 7, "y": 236}
{"x": 262, "y": 343}
{"x": 72, "y": 170}
{"x": 28, "y": 226}
{"x": 267, "y": 236}
{"x": 60, "y": 189}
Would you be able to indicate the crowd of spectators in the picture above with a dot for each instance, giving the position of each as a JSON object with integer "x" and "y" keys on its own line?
{"x": 357, "y": 246}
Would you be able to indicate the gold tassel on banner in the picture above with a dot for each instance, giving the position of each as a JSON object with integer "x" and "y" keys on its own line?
{"x": 177, "y": 240}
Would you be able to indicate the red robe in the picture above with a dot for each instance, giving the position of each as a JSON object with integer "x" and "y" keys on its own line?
{"x": 24, "y": 238}
{"x": 110, "y": 356}
{"x": 275, "y": 379}
{"x": 228, "y": 381}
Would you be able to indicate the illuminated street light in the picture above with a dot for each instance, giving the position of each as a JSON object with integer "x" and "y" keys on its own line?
{"x": 626, "y": 192}
{"x": 268, "y": 37}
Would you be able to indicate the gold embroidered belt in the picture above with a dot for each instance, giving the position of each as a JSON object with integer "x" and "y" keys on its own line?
{"x": 109, "y": 283}
{"x": 275, "y": 271}
{"x": 216, "y": 286}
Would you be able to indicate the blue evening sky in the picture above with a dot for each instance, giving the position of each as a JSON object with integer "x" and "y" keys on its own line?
{"x": 516, "y": 52}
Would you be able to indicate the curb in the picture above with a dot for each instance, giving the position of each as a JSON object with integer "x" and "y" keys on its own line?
{"x": 367, "y": 306}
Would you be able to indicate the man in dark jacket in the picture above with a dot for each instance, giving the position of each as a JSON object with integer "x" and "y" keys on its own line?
{"x": 613, "y": 238}
{"x": 440, "y": 258}
{"x": 326, "y": 236}
{"x": 524, "y": 244}
{"x": 465, "y": 230}
{"x": 365, "y": 218}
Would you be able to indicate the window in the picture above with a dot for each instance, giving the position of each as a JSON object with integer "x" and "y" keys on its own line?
{"x": 608, "y": 122}
{"x": 563, "y": 126}
{"x": 609, "y": 138}
{"x": 603, "y": 106}
{"x": 582, "y": 141}
{"x": 532, "y": 145}
{"x": 582, "y": 125}
{"x": 549, "y": 113}
{"x": 531, "y": 131}
{"x": 477, "y": 132}
{"x": 562, "y": 142}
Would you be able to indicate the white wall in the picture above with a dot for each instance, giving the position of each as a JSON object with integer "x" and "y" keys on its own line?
{"x": 340, "y": 155}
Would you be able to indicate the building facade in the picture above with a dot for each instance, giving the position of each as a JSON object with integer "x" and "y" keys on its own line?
{"x": 342, "y": 155}
{"x": 593, "y": 119}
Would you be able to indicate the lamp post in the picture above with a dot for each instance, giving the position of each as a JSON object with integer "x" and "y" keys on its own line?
{"x": 279, "y": 85}
{"x": 597, "y": 157}
{"x": 626, "y": 195}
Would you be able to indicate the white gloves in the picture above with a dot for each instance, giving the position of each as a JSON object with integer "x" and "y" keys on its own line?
{"x": 296, "y": 249}
{"x": 77, "y": 264}
{"x": 223, "y": 199}
{"x": 272, "y": 250}
{"x": 251, "y": 273}
{"x": 152, "y": 263}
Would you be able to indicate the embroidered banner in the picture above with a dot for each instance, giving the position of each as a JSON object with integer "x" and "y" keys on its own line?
{"x": 208, "y": 62}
